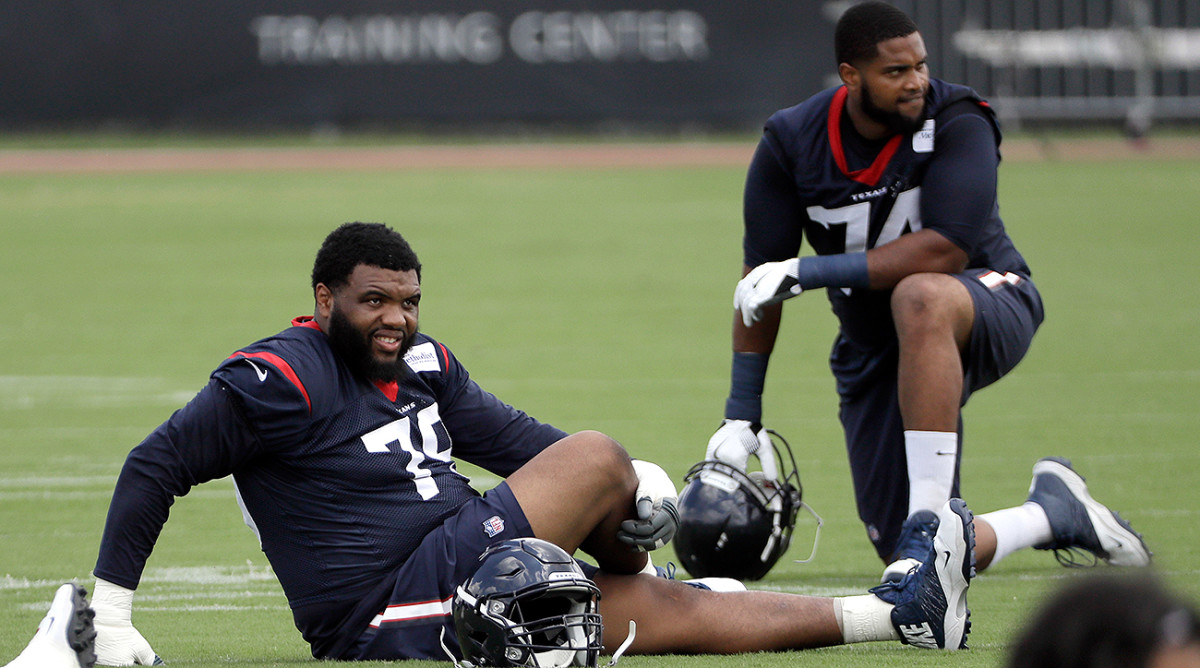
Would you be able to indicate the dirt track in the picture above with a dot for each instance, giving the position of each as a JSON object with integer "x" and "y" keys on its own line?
{"x": 514, "y": 156}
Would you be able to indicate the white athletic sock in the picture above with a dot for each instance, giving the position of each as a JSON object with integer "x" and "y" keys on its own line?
{"x": 864, "y": 618}
{"x": 931, "y": 456}
{"x": 1018, "y": 528}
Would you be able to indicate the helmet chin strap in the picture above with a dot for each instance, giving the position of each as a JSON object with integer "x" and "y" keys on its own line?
{"x": 457, "y": 664}
{"x": 624, "y": 646}
{"x": 816, "y": 534}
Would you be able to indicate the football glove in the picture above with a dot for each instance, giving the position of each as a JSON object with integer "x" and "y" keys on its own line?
{"x": 735, "y": 441}
{"x": 766, "y": 284}
{"x": 657, "y": 517}
{"x": 117, "y": 642}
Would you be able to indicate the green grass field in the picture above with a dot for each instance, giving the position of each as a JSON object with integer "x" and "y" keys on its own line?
{"x": 592, "y": 298}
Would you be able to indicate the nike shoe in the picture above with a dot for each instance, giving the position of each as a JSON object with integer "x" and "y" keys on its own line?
{"x": 1079, "y": 522}
{"x": 712, "y": 584}
{"x": 66, "y": 638}
{"x": 916, "y": 535}
{"x": 931, "y": 602}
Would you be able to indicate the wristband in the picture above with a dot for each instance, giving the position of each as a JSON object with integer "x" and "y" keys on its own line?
{"x": 746, "y": 387}
{"x": 844, "y": 270}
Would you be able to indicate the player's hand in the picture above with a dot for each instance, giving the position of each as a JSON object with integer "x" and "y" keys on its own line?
{"x": 734, "y": 442}
{"x": 117, "y": 642}
{"x": 657, "y": 516}
{"x": 766, "y": 284}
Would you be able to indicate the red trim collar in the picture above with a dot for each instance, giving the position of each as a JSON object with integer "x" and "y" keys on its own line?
{"x": 390, "y": 389}
{"x": 305, "y": 321}
{"x": 871, "y": 175}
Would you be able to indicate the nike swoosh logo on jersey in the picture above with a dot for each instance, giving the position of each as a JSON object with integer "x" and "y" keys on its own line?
{"x": 945, "y": 452}
{"x": 262, "y": 374}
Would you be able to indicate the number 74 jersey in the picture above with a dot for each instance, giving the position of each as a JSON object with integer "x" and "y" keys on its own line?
{"x": 370, "y": 464}
{"x": 814, "y": 177}
{"x": 340, "y": 478}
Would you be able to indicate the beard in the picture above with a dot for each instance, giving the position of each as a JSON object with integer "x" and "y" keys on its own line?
{"x": 354, "y": 347}
{"x": 893, "y": 120}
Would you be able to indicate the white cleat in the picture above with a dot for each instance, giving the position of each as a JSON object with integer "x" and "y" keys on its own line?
{"x": 66, "y": 637}
{"x": 931, "y": 602}
{"x": 1079, "y": 522}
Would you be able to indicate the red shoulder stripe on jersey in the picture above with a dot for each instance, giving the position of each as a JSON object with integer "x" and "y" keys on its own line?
{"x": 283, "y": 367}
{"x": 445, "y": 356}
{"x": 871, "y": 175}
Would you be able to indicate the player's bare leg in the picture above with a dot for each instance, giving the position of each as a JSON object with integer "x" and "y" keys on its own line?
{"x": 685, "y": 619}
{"x": 933, "y": 315}
{"x": 576, "y": 493}
{"x": 927, "y": 609}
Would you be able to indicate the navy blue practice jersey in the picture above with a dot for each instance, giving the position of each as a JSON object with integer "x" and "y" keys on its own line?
{"x": 813, "y": 176}
{"x": 340, "y": 478}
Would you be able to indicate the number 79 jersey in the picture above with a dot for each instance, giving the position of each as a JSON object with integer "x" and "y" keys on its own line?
{"x": 814, "y": 177}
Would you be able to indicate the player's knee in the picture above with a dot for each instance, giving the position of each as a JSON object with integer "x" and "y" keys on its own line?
{"x": 601, "y": 460}
{"x": 923, "y": 301}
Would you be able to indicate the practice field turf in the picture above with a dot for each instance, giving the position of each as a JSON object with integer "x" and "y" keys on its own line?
{"x": 592, "y": 298}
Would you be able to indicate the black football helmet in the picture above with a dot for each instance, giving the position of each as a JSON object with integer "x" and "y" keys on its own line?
{"x": 735, "y": 524}
{"x": 528, "y": 604}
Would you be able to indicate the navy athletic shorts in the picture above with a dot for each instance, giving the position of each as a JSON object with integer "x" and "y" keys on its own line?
{"x": 1008, "y": 311}
{"x": 418, "y": 611}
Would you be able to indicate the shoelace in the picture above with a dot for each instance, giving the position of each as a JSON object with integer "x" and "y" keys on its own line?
{"x": 1069, "y": 557}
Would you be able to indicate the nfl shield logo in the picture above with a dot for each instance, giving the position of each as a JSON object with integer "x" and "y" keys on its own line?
{"x": 493, "y": 525}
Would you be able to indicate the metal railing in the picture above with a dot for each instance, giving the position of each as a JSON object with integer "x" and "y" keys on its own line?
{"x": 1136, "y": 61}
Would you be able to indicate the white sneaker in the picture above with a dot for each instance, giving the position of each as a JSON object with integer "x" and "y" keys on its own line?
{"x": 916, "y": 535}
{"x": 931, "y": 602}
{"x": 66, "y": 637}
{"x": 1079, "y": 522}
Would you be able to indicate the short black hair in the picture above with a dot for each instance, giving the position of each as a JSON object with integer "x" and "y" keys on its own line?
{"x": 1104, "y": 620}
{"x": 862, "y": 27}
{"x": 352, "y": 244}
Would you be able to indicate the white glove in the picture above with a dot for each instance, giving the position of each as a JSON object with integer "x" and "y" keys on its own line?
{"x": 658, "y": 517}
{"x": 117, "y": 642}
{"x": 766, "y": 284}
{"x": 733, "y": 444}
{"x": 735, "y": 441}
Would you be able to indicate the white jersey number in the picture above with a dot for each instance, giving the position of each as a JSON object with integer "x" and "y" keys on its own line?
{"x": 906, "y": 212}
{"x": 400, "y": 433}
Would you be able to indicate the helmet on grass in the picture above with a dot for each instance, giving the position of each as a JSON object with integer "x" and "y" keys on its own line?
{"x": 528, "y": 604}
{"x": 736, "y": 524}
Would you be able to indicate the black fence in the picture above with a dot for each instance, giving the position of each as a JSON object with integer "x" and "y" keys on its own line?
{"x": 577, "y": 63}
{"x": 1067, "y": 60}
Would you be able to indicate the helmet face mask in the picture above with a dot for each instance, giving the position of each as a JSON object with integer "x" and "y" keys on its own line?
{"x": 528, "y": 604}
{"x": 733, "y": 524}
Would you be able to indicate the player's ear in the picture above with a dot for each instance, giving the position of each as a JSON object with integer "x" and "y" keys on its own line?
{"x": 324, "y": 301}
{"x": 849, "y": 75}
